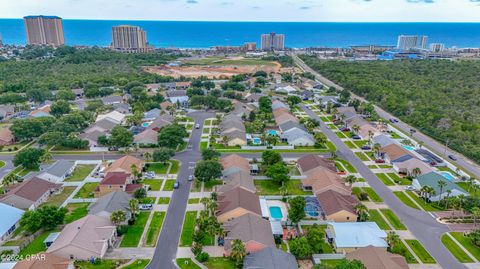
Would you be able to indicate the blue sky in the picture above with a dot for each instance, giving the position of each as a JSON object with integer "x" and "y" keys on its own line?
{"x": 251, "y": 10}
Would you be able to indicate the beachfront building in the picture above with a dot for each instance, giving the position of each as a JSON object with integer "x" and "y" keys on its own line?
{"x": 408, "y": 42}
{"x": 44, "y": 30}
{"x": 129, "y": 38}
{"x": 273, "y": 41}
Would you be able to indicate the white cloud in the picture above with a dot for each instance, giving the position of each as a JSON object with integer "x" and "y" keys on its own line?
{"x": 250, "y": 10}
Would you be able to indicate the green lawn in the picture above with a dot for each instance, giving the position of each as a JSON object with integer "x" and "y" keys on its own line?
{"x": 426, "y": 206}
{"x": 169, "y": 185}
{"x": 154, "y": 228}
{"x": 393, "y": 219}
{"x": 373, "y": 195}
{"x": 420, "y": 251}
{"x": 385, "y": 179}
{"x": 377, "y": 218}
{"x": 58, "y": 199}
{"x": 36, "y": 245}
{"x": 372, "y": 166}
{"x": 350, "y": 144}
{"x": 100, "y": 264}
{"x": 360, "y": 143}
{"x": 471, "y": 191}
{"x": 220, "y": 263}
{"x": 163, "y": 200}
{"x": 399, "y": 180}
{"x": 270, "y": 187}
{"x": 407, "y": 254}
{"x": 137, "y": 264}
{"x": 455, "y": 249}
{"x": 208, "y": 186}
{"x": 404, "y": 198}
{"x": 134, "y": 232}
{"x": 154, "y": 184}
{"x": 158, "y": 168}
{"x": 194, "y": 200}
{"x": 467, "y": 244}
{"x": 76, "y": 211}
{"x": 25, "y": 171}
{"x": 147, "y": 200}
{"x": 203, "y": 145}
{"x": 187, "y": 263}
{"x": 80, "y": 172}
{"x": 186, "y": 239}
{"x": 174, "y": 168}
{"x": 2, "y": 164}
{"x": 347, "y": 166}
{"x": 87, "y": 190}
{"x": 340, "y": 135}
{"x": 362, "y": 156}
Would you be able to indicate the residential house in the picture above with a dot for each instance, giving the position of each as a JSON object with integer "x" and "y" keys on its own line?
{"x": 43, "y": 111}
{"x": 79, "y": 92}
{"x": 276, "y": 104}
{"x": 123, "y": 108}
{"x": 183, "y": 85}
{"x": 113, "y": 201}
{"x": 298, "y": 137}
{"x": 347, "y": 112}
{"x": 232, "y": 131}
{"x": 289, "y": 125}
{"x": 113, "y": 116}
{"x": 178, "y": 97}
{"x": 125, "y": 164}
{"x": 312, "y": 161}
{"x": 286, "y": 89}
{"x": 337, "y": 206}
{"x": 112, "y": 99}
{"x": 253, "y": 97}
{"x": 432, "y": 180}
{"x": 254, "y": 231}
{"x": 407, "y": 167}
{"x": 147, "y": 137}
{"x": 347, "y": 237}
{"x": 6, "y": 137}
{"x": 306, "y": 95}
{"x": 152, "y": 114}
{"x": 6, "y": 111}
{"x": 240, "y": 109}
{"x": 395, "y": 153}
{"x": 321, "y": 179}
{"x": 366, "y": 130}
{"x": 115, "y": 181}
{"x": 236, "y": 203}
{"x": 48, "y": 261}
{"x": 84, "y": 239}
{"x": 165, "y": 105}
{"x": 325, "y": 100}
{"x": 30, "y": 193}
{"x": 383, "y": 140}
{"x": 58, "y": 171}
{"x": 270, "y": 258}
{"x": 240, "y": 179}
{"x": 10, "y": 218}
{"x": 235, "y": 160}
{"x": 160, "y": 122}
{"x": 378, "y": 258}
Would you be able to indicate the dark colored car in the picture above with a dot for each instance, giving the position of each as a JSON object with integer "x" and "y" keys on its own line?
{"x": 176, "y": 185}
{"x": 392, "y": 120}
{"x": 366, "y": 147}
{"x": 345, "y": 129}
{"x": 356, "y": 137}
{"x": 380, "y": 161}
{"x": 452, "y": 157}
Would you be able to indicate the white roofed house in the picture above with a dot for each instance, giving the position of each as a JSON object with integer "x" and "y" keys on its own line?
{"x": 112, "y": 99}
{"x": 113, "y": 116}
{"x": 10, "y": 218}
{"x": 178, "y": 97}
{"x": 298, "y": 137}
{"x": 60, "y": 170}
{"x": 286, "y": 89}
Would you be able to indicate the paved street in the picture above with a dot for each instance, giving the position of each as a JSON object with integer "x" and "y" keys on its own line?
{"x": 422, "y": 225}
{"x": 167, "y": 244}
{"x": 430, "y": 143}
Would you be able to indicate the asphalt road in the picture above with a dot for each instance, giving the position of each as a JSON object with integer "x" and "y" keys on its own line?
{"x": 429, "y": 142}
{"x": 422, "y": 225}
{"x": 166, "y": 249}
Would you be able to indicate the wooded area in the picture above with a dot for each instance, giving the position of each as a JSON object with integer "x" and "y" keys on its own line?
{"x": 439, "y": 97}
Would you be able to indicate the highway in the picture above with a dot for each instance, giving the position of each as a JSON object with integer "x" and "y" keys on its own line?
{"x": 468, "y": 165}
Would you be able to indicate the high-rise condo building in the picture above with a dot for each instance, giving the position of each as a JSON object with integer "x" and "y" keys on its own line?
{"x": 250, "y": 46}
{"x": 44, "y": 30}
{"x": 129, "y": 38}
{"x": 407, "y": 42}
{"x": 437, "y": 47}
{"x": 273, "y": 41}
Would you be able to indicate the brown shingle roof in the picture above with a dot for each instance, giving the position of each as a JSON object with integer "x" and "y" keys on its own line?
{"x": 235, "y": 160}
{"x": 6, "y": 135}
{"x": 32, "y": 189}
{"x": 309, "y": 162}
{"x": 49, "y": 261}
{"x": 114, "y": 178}
{"x": 394, "y": 151}
{"x": 238, "y": 179}
{"x": 333, "y": 202}
{"x": 378, "y": 258}
{"x": 238, "y": 197}
{"x": 124, "y": 164}
{"x": 321, "y": 179}
{"x": 248, "y": 227}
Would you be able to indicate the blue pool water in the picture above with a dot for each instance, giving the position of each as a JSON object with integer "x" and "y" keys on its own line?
{"x": 275, "y": 212}
{"x": 272, "y": 132}
{"x": 408, "y": 148}
{"x": 448, "y": 176}
{"x": 145, "y": 124}
{"x": 257, "y": 141}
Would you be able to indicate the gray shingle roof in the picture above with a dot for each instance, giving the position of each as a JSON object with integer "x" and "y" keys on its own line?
{"x": 60, "y": 168}
{"x": 270, "y": 258}
{"x": 117, "y": 200}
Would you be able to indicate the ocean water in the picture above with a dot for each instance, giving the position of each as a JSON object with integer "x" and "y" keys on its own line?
{"x": 183, "y": 34}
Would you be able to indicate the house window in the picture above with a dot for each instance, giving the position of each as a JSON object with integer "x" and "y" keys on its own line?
{"x": 109, "y": 186}
{"x": 348, "y": 218}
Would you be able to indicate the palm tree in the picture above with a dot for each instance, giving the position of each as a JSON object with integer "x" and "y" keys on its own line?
{"x": 135, "y": 172}
{"x": 283, "y": 190}
{"x": 350, "y": 179}
{"x": 117, "y": 217}
{"x": 416, "y": 172}
{"x": 362, "y": 212}
{"x": 446, "y": 198}
{"x": 355, "y": 128}
{"x": 376, "y": 147}
{"x": 238, "y": 251}
{"x": 148, "y": 156}
{"x": 133, "y": 207}
{"x": 393, "y": 239}
{"x": 475, "y": 215}
{"x": 471, "y": 181}
{"x": 320, "y": 138}
{"x": 420, "y": 144}
{"x": 424, "y": 192}
{"x": 212, "y": 207}
{"x": 441, "y": 185}
{"x": 10, "y": 179}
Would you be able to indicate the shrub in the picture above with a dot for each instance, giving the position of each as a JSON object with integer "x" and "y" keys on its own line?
{"x": 202, "y": 257}
{"x": 122, "y": 229}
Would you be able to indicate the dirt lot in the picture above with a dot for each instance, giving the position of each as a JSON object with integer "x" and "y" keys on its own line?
{"x": 215, "y": 69}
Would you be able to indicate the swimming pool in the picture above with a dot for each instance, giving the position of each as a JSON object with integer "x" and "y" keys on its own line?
{"x": 256, "y": 141}
{"x": 145, "y": 124}
{"x": 275, "y": 212}
{"x": 408, "y": 147}
{"x": 272, "y": 132}
{"x": 447, "y": 175}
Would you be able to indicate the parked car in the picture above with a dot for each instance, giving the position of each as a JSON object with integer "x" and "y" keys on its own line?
{"x": 176, "y": 185}
{"x": 356, "y": 137}
{"x": 452, "y": 157}
{"x": 197, "y": 126}
{"x": 189, "y": 146}
{"x": 366, "y": 147}
{"x": 393, "y": 120}
{"x": 380, "y": 161}
{"x": 190, "y": 177}
{"x": 145, "y": 207}
{"x": 345, "y": 129}
{"x": 409, "y": 188}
